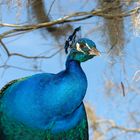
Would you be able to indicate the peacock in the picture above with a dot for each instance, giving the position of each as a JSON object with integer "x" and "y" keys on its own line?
{"x": 49, "y": 106}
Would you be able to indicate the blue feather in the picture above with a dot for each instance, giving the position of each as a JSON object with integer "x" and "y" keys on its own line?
{"x": 48, "y": 105}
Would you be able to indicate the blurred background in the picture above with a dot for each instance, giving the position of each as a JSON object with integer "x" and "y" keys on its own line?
{"x": 32, "y": 38}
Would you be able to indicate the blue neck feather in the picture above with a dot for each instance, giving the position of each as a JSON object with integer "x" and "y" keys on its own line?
{"x": 76, "y": 82}
{"x": 72, "y": 65}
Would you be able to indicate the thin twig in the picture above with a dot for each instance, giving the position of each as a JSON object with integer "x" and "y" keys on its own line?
{"x": 51, "y": 7}
{"x": 5, "y": 48}
{"x": 20, "y": 68}
{"x": 26, "y": 56}
{"x": 36, "y": 57}
{"x": 123, "y": 89}
{"x": 113, "y": 125}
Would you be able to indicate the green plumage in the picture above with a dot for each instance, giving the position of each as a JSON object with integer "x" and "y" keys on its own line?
{"x": 17, "y": 131}
{"x": 6, "y": 86}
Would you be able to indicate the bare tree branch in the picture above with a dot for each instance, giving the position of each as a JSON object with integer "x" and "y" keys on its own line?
{"x": 69, "y": 18}
{"x": 123, "y": 89}
{"x": 5, "y": 48}
{"x": 136, "y": 76}
{"x": 20, "y": 68}
{"x": 113, "y": 125}
{"x": 97, "y": 124}
{"x": 28, "y": 57}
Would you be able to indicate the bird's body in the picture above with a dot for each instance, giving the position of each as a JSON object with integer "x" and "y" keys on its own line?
{"x": 46, "y": 106}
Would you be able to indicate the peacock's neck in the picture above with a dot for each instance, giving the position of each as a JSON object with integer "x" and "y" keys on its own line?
{"x": 73, "y": 65}
{"x": 75, "y": 84}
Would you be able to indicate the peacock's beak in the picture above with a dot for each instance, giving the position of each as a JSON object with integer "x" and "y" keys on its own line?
{"x": 94, "y": 51}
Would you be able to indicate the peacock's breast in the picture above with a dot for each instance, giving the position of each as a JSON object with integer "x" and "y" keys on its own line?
{"x": 37, "y": 102}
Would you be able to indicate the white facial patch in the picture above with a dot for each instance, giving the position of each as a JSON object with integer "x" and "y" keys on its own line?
{"x": 78, "y": 48}
{"x": 88, "y": 46}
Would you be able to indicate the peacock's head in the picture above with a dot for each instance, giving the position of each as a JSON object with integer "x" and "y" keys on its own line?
{"x": 83, "y": 50}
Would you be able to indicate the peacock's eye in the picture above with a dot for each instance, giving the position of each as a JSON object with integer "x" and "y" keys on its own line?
{"x": 82, "y": 46}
